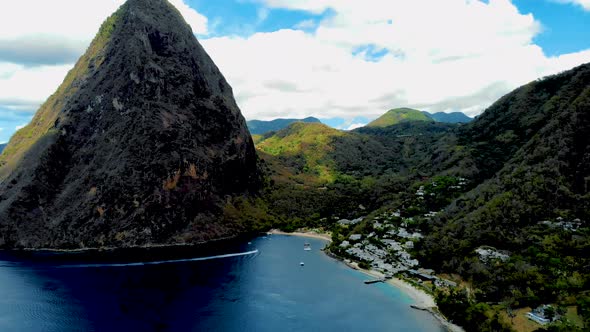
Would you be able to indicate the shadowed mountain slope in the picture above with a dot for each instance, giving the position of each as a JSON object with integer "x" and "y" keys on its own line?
{"x": 139, "y": 145}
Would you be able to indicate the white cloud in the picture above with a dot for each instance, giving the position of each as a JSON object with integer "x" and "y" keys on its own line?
{"x": 305, "y": 24}
{"x": 38, "y": 50}
{"x": 72, "y": 20}
{"x": 458, "y": 55}
{"x": 20, "y": 126}
{"x": 25, "y": 88}
{"x": 49, "y": 32}
{"x": 262, "y": 14}
{"x": 58, "y": 31}
{"x": 355, "y": 125}
{"x": 441, "y": 55}
{"x": 196, "y": 20}
{"x": 582, "y": 3}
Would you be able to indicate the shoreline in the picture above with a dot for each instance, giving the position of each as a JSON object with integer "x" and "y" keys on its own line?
{"x": 313, "y": 235}
{"x": 112, "y": 248}
{"x": 421, "y": 300}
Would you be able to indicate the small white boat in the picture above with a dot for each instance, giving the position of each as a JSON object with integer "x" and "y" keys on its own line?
{"x": 301, "y": 263}
{"x": 307, "y": 246}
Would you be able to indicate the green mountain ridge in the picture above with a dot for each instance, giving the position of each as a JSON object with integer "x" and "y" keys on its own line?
{"x": 534, "y": 141}
{"x": 524, "y": 170}
{"x": 367, "y": 166}
{"x": 260, "y": 127}
{"x": 398, "y": 115}
{"x": 453, "y": 117}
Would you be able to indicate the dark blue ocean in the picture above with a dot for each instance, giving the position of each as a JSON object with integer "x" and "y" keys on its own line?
{"x": 265, "y": 290}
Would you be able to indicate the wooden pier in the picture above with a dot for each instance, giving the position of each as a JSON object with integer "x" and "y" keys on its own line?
{"x": 373, "y": 281}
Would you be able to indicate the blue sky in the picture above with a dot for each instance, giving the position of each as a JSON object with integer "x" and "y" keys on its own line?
{"x": 244, "y": 18}
{"x": 566, "y": 28}
{"x": 345, "y": 62}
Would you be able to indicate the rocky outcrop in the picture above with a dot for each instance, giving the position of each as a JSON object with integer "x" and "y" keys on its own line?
{"x": 142, "y": 144}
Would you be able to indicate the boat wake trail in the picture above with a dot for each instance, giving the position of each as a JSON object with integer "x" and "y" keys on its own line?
{"x": 247, "y": 253}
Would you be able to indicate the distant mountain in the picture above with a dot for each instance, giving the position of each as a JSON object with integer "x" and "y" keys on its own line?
{"x": 454, "y": 117}
{"x": 318, "y": 169}
{"x": 304, "y": 147}
{"x": 142, "y": 144}
{"x": 259, "y": 127}
{"x": 2, "y": 146}
{"x": 398, "y": 115}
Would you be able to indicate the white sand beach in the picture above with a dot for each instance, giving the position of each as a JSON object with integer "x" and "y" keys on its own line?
{"x": 310, "y": 234}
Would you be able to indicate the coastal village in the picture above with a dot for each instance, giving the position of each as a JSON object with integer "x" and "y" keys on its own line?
{"x": 383, "y": 243}
{"x": 388, "y": 253}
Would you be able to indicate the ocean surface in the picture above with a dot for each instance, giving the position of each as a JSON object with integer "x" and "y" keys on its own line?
{"x": 261, "y": 288}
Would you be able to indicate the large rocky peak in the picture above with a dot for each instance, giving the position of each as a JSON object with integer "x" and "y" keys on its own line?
{"x": 141, "y": 144}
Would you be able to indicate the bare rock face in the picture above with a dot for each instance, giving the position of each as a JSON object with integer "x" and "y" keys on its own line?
{"x": 141, "y": 144}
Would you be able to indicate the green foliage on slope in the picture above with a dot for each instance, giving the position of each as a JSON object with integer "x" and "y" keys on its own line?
{"x": 535, "y": 204}
{"x": 398, "y": 115}
{"x": 453, "y": 117}
{"x": 305, "y": 147}
{"x": 526, "y": 162}
{"x": 319, "y": 172}
{"x": 260, "y": 127}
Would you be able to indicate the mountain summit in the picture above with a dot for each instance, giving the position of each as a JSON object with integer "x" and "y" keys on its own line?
{"x": 141, "y": 144}
{"x": 260, "y": 127}
{"x": 398, "y": 115}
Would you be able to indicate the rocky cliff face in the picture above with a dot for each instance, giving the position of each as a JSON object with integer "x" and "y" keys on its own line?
{"x": 141, "y": 144}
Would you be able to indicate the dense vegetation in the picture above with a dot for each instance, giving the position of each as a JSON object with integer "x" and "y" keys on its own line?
{"x": 260, "y": 127}
{"x": 320, "y": 172}
{"x": 525, "y": 165}
{"x": 398, "y": 115}
{"x": 453, "y": 117}
{"x": 536, "y": 203}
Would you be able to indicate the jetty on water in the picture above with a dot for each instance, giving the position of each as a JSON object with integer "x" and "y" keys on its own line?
{"x": 373, "y": 281}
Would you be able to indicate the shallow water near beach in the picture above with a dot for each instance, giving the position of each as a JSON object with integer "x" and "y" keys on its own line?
{"x": 263, "y": 288}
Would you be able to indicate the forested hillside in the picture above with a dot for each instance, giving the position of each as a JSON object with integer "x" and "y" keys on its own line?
{"x": 259, "y": 127}
{"x": 320, "y": 172}
{"x": 399, "y": 115}
{"x": 454, "y": 117}
{"x": 516, "y": 180}
{"x": 537, "y": 204}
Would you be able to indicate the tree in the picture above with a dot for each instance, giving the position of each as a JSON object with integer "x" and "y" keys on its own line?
{"x": 549, "y": 313}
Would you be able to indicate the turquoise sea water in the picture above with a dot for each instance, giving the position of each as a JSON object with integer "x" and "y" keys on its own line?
{"x": 264, "y": 289}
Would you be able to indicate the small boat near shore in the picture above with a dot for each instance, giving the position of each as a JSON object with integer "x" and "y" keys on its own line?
{"x": 417, "y": 307}
{"x": 307, "y": 246}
